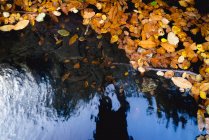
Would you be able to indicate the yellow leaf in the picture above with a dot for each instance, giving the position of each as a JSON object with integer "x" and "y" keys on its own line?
{"x": 203, "y": 95}
{"x": 114, "y": 39}
{"x": 181, "y": 82}
{"x": 63, "y": 32}
{"x": 204, "y": 87}
{"x": 73, "y": 39}
{"x": 6, "y": 28}
{"x": 21, "y": 25}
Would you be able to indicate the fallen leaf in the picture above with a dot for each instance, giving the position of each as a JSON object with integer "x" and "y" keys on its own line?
{"x": 88, "y": 13}
{"x": 63, "y": 32}
{"x": 6, "y": 28}
{"x": 203, "y": 95}
{"x": 204, "y": 87}
{"x": 40, "y": 17}
{"x": 172, "y": 38}
{"x": 65, "y": 76}
{"x": 181, "y": 82}
{"x": 160, "y": 73}
{"x": 200, "y": 120}
{"x": 147, "y": 44}
{"x": 21, "y": 25}
{"x": 73, "y": 39}
{"x": 77, "y": 66}
{"x": 169, "y": 74}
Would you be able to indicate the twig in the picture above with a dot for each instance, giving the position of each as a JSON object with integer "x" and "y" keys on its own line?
{"x": 87, "y": 29}
{"x": 159, "y": 69}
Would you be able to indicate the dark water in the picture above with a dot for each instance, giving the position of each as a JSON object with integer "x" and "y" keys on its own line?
{"x": 121, "y": 111}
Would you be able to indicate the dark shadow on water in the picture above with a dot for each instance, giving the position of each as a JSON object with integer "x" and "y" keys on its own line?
{"x": 112, "y": 125}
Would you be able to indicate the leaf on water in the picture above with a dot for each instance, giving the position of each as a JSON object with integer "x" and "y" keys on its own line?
{"x": 6, "y": 28}
{"x": 77, "y": 66}
{"x": 181, "y": 82}
{"x": 114, "y": 38}
{"x": 63, "y": 32}
{"x": 65, "y": 76}
{"x": 21, "y": 25}
{"x": 154, "y": 3}
{"x": 73, "y": 39}
{"x": 200, "y": 120}
{"x": 204, "y": 87}
{"x": 40, "y": 17}
{"x": 203, "y": 95}
{"x": 88, "y": 13}
{"x": 147, "y": 44}
{"x": 172, "y": 38}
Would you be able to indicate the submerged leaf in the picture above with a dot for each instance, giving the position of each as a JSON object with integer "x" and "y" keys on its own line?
{"x": 73, "y": 39}
{"x": 63, "y": 32}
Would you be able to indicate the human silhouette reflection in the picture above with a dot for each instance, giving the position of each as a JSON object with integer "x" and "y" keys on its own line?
{"x": 111, "y": 122}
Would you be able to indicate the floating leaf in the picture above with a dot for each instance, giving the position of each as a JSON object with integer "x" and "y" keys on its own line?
{"x": 73, "y": 39}
{"x": 203, "y": 95}
{"x": 63, "y": 32}
{"x": 172, "y": 38}
{"x": 40, "y": 17}
{"x": 7, "y": 28}
{"x": 88, "y": 13}
{"x": 77, "y": 66}
{"x": 147, "y": 44}
{"x": 65, "y": 76}
{"x": 181, "y": 82}
{"x": 154, "y": 3}
{"x": 114, "y": 38}
{"x": 200, "y": 120}
{"x": 21, "y": 25}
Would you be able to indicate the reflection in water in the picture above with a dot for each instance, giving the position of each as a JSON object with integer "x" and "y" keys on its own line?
{"x": 29, "y": 111}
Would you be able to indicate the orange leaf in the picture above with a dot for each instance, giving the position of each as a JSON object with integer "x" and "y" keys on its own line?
{"x": 147, "y": 44}
{"x": 73, "y": 39}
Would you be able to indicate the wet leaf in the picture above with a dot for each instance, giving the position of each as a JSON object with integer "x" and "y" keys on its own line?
{"x": 203, "y": 95}
{"x": 114, "y": 39}
{"x": 21, "y": 25}
{"x": 181, "y": 82}
{"x": 154, "y": 3}
{"x": 65, "y": 76}
{"x": 63, "y": 32}
{"x": 200, "y": 120}
{"x": 6, "y": 28}
{"x": 73, "y": 39}
{"x": 147, "y": 44}
{"x": 172, "y": 38}
{"x": 77, "y": 66}
{"x": 169, "y": 74}
{"x": 40, "y": 17}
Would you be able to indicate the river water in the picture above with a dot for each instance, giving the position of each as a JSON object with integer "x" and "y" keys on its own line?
{"x": 28, "y": 111}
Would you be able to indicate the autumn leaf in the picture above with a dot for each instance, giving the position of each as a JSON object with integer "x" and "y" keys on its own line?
{"x": 21, "y": 25}
{"x": 63, "y": 32}
{"x": 147, "y": 44}
{"x": 88, "y": 13}
{"x": 6, "y": 28}
{"x": 181, "y": 82}
{"x": 73, "y": 39}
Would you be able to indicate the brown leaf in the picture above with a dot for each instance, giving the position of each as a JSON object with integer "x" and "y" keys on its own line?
{"x": 77, "y": 66}
{"x": 65, "y": 76}
{"x": 21, "y": 25}
{"x": 73, "y": 39}
{"x": 181, "y": 82}
{"x": 147, "y": 44}
{"x": 168, "y": 47}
